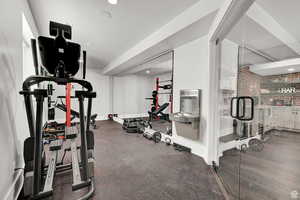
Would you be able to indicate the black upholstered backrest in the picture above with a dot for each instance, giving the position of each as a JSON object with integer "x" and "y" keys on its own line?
{"x": 59, "y": 56}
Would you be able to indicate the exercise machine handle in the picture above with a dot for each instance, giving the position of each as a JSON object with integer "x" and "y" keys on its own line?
{"x": 240, "y": 108}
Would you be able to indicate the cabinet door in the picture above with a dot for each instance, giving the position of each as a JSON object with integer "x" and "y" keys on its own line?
{"x": 274, "y": 118}
{"x": 289, "y": 118}
{"x": 296, "y": 114}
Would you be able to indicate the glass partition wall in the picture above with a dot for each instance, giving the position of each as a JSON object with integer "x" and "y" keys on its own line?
{"x": 259, "y": 137}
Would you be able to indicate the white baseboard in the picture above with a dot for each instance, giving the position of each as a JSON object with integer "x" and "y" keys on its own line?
{"x": 118, "y": 120}
{"x": 102, "y": 117}
{"x": 124, "y": 116}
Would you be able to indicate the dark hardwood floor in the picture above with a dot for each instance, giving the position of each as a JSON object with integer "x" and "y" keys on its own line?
{"x": 161, "y": 125}
{"x": 272, "y": 174}
{"x": 130, "y": 167}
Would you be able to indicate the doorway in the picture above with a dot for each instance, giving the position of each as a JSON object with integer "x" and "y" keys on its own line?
{"x": 258, "y": 155}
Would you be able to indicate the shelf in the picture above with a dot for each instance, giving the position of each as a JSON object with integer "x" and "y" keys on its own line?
{"x": 275, "y": 85}
{"x": 297, "y": 94}
{"x": 227, "y": 91}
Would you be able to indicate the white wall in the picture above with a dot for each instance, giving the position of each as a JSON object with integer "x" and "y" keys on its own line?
{"x": 191, "y": 71}
{"x": 13, "y": 121}
{"x": 129, "y": 93}
{"x": 102, "y": 86}
{"x": 11, "y": 115}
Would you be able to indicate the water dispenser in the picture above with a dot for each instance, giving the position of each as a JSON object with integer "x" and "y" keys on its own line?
{"x": 187, "y": 121}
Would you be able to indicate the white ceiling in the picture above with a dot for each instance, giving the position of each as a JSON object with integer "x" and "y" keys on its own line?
{"x": 250, "y": 34}
{"x": 285, "y": 12}
{"x": 105, "y": 30}
{"x": 196, "y": 30}
{"x": 247, "y": 32}
{"x": 163, "y": 64}
{"x": 106, "y": 38}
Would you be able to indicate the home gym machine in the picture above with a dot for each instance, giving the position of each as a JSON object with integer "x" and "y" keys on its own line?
{"x": 61, "y": 60}
{"x": 61, "y": 106}
{"x": 157, "y": 111}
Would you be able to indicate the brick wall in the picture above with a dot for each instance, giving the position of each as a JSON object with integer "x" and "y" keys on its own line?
{"x": 251, "y": 84}
{"x": 248, "y": 82}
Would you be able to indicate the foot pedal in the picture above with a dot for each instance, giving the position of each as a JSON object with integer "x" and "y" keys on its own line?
{"x": 48, "y": 189}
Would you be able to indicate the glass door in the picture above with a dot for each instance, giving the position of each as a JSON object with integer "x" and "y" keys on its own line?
{"x": 260, "y": 58}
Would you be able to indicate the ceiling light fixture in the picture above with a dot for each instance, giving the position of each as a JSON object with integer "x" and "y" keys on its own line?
{"x": 291, "y": 69}
{"x": 107, "y": 14}
{"x": 147, "y": 71}
{"x": 114, "y": 2}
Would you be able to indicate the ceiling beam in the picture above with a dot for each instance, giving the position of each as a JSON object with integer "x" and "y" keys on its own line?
{"x": 152, "y": 62}
{"x": 186, "y": 18}
{"x": 166, "y": 66}
{"x": 279, "y": 67}
{"x": 264, "y": 19}
{"x": 259, "y": 53}
{"x": 229, "y": 14}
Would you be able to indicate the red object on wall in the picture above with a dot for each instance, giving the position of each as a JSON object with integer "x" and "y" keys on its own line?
{"x": 68, "y": 104}
{"x": 157, "y": 90}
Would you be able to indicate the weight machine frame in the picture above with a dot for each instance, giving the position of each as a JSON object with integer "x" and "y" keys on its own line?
{"x": 35, "y": 127}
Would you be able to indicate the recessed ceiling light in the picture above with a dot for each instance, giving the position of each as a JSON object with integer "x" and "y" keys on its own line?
{"x": 148, "y": 72}
{"x": 114, "y": 2}
{"x": 291, "y": 69}
{"x": 107, "y": 14}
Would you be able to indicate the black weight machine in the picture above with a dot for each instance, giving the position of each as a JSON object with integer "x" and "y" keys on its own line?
{"x": 61, "y": 60}
{"x": 157, "y": 111}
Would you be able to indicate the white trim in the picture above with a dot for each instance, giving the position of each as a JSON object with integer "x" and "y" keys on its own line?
{"x": 118, "y": 120}
{"x": 124, "y": 116}
{"x": 102, "y": 117}
{"x": 229, "y": 14}
{"x": 98, "y": 118}
{"x": 214, "y": 87}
